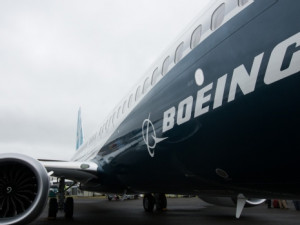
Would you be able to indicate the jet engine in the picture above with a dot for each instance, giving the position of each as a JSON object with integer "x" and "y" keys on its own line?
{"x": 24, "y": 186}
{"x": 231, "y": 202}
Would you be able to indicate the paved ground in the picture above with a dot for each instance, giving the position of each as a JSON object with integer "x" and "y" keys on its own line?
{"x": 183, "y": 211}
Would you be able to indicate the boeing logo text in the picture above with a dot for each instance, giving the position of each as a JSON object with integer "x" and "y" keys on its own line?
{"x": 241, "y": 78}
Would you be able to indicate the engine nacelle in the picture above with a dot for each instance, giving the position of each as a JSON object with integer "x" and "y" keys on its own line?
{"x": 24, "y": 186}
{"x": 231, "y": 202}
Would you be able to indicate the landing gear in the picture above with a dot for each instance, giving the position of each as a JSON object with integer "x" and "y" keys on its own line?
{"x": 109, "y": 197}
{"x": 69, "y": 207}
{"x": 159, "y": 200}
{"x": 148, "y": 202}
{"x": 61, "y": 193}
{"x": 62, "y": 203}
{"x": 53, "y": 208}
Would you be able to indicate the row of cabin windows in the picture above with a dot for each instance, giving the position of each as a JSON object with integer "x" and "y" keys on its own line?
{"x": 216, "y": 21}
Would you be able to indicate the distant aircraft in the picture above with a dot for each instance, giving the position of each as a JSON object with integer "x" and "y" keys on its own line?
{"x": 218, "y": 116}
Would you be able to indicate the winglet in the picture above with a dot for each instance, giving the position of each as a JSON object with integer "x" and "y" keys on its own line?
{"x": 79, "y": 134}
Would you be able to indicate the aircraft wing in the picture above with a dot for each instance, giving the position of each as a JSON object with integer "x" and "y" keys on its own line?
{"x": 77, "y": 171}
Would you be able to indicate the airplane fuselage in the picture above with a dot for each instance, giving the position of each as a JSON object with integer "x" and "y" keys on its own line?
{"x": 224, "y": 120}
{"x": 216, "y": 116}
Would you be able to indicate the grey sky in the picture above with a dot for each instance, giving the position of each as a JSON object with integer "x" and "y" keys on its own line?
{"x": 61, "y": 54}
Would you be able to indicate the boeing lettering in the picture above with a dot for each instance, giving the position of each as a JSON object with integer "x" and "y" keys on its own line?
{"x": 289, "y": 50}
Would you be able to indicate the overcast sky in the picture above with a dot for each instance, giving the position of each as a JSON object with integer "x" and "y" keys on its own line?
{"x": 58, "y": 55}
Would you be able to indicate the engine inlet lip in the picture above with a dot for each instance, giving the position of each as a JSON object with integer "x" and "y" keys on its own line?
{"x": 42, "y": 193}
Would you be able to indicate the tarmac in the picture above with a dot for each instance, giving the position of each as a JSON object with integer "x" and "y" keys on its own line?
{"x": 187, "y": 211}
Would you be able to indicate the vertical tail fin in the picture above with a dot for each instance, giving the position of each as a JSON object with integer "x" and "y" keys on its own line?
{"x": 79, "y": 135}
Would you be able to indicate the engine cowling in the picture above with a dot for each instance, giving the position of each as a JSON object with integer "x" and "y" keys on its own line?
{"x": 231, "y": 202}
{"x": 24, "y": 186}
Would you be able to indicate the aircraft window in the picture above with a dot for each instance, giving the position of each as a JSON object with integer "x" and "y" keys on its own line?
{"x": 178, "y": 53}
{"x": 124, "y": 107}
{"x": 113, "y": 119}
{"x": 155, "y": 75}
{"x": 146, "y": 85}
{"x": 119, "y": 111}
{"x": 138, "y": 93}
{"x": 166, "y": 65}
{"x": 130, "y": 101}
{"x": 243, "y": 2}
{"x": 218, "y": 17}
{"x": 109, "y": 122}
{"x": 196, "y": 37}
{"x": 106, "y": 125}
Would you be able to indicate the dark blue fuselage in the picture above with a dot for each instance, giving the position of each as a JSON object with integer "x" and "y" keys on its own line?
{"x": 249, "y": 145}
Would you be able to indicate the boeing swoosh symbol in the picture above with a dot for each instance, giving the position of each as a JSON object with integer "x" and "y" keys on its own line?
{"x": 146, "y": 132}
{"x": 157, "y": 140}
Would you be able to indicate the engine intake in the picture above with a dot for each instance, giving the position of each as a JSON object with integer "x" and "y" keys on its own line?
{"x": 24, "y": 186}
